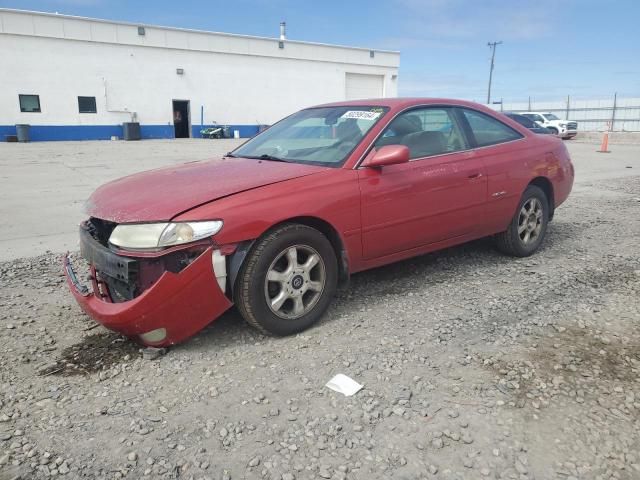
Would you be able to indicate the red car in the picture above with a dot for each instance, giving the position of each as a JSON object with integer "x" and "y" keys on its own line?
{"x": 278, "y": 224}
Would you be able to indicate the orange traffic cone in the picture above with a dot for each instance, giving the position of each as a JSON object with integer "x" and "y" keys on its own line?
{"x": 605, "y": 143}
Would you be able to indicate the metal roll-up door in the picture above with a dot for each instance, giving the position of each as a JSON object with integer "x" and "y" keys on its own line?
{"x": 361, "y": 86}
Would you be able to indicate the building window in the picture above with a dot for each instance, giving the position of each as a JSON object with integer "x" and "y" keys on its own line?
{"x": 29, "y": 103}
{"x": 87, "y": 105}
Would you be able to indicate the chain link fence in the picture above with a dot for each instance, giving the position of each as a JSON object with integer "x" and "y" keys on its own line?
{"x": 622, "y": 114}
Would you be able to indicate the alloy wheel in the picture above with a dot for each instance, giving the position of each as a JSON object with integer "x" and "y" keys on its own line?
{"x": 530, "y": 221}
{"x": 295, "y": 281}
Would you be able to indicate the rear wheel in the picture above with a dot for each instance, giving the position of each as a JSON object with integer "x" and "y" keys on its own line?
{"x": 528, "y": 226}
{"x": 288, "y": 280}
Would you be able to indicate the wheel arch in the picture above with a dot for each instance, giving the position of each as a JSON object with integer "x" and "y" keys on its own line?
{"x": 327, "y": 229}
{"x": 544, "y": 184}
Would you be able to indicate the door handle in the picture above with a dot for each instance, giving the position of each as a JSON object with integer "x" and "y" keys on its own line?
{"x": 475, "y": 175}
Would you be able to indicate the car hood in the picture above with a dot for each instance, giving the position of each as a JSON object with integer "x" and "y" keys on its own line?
{"x": 160, "y": 195}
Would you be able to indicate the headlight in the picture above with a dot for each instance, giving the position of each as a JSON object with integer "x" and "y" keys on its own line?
{"x": 563, "y": 124}
{"x": 156, "y": 235}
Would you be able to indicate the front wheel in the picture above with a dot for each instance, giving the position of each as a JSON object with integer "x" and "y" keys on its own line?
{"x": 288, "y": 280}
{"x": 528, "y": 226}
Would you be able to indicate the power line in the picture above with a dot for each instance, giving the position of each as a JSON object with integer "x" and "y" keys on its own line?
{"x": 492, "y": 45}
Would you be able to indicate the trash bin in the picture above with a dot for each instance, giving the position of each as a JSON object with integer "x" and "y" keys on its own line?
{"x": 22, "y": 132}
{"x": 131, "y": 131}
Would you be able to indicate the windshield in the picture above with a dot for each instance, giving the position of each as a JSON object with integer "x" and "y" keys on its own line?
{"x": 322, "y": 136}
{"x": 551, "y": 116}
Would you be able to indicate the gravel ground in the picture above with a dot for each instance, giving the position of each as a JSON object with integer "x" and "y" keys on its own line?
{"x": 474, "y": 365}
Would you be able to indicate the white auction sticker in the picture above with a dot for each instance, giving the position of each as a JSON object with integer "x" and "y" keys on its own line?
{"x": 361, "y": 114}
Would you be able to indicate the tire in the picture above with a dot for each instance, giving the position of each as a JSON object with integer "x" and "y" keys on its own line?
{"x": 554, "y": 131}
{"x": 260, "y": 301}
{"x": 522, "y": 243}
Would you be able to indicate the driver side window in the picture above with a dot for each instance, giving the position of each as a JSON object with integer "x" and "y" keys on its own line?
{"x": 426, "y": 131}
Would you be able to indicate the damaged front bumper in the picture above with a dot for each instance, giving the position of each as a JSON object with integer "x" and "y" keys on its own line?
{"x": 176, "y": 306}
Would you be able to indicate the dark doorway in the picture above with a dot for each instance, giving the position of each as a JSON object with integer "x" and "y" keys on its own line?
{"x": 181, "y": 118}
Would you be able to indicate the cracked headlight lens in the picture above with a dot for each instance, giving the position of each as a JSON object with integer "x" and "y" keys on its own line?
{"x": 156, "y": 235}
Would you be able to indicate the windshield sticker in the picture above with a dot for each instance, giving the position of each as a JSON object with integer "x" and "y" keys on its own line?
{"x": 361, "y": 115}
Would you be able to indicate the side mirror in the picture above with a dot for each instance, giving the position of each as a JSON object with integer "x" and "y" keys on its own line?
{"x": 387, "y": 155}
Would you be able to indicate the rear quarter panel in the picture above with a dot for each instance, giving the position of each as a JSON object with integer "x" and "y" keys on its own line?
{"x": 564, "y": 175}
{"x": 512, "y": 166}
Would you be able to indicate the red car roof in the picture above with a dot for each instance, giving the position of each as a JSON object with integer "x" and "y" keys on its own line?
{"x": 401, "y": 102}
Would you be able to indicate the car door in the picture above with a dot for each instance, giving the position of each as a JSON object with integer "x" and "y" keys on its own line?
{"x": 505, "y": 158}
{"x": 439, "y": 194}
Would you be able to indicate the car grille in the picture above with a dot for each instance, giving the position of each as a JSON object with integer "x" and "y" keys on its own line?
{"x": 572, "y": 125}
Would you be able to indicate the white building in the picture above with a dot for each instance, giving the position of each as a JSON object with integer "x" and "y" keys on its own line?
{"x": 80, "y": 78}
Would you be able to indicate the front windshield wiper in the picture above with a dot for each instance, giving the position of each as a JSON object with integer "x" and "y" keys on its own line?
{"x": 264, "y": 156}
{"x": 229, "y": 154}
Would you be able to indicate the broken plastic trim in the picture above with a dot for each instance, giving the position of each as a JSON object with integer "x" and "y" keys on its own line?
{"x": 220, "y": 269}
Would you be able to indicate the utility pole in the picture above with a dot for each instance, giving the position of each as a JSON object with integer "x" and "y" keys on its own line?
{"x": 492, "y": 45}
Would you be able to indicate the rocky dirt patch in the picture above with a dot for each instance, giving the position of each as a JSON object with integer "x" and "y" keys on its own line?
{"x": 94, "y": 353}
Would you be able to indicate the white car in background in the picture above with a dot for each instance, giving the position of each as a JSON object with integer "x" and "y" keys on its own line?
{"x": 562, "y": 128}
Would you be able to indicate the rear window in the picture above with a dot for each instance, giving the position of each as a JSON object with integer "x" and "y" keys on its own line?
{"x": 534, "y": 117}
{"x": 487, "y": 130}
{"x": 524, "y": 121}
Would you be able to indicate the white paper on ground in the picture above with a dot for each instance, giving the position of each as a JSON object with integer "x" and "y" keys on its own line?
{"x": 343, "y": 384}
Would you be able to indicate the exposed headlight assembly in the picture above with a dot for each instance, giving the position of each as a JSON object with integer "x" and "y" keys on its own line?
{"x": 141, "y": 236}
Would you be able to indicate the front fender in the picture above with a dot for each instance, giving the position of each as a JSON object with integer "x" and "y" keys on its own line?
{"x": 328, "y": 198}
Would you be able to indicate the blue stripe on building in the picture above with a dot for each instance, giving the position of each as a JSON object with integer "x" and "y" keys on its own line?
{"x": 42, "y": 133}
{"x": 156, "y": 131}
